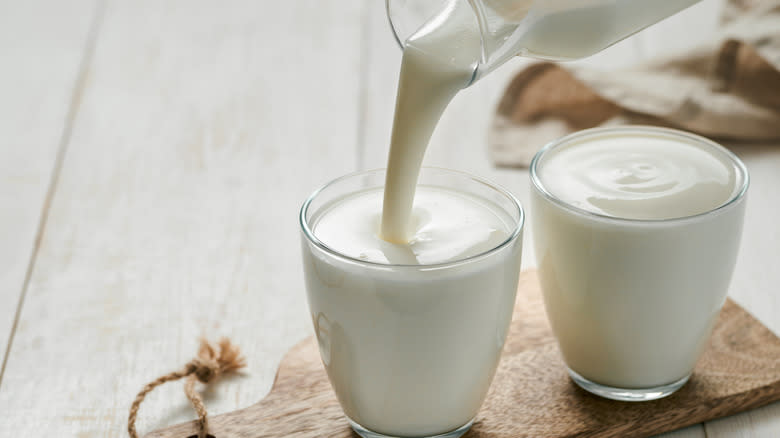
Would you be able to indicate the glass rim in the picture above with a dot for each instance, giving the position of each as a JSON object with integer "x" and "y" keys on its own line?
{"x": 738, "y": 195}
{"x": 312, "y": 238}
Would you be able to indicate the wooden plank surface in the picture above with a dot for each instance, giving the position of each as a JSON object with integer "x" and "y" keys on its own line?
{"x": 41, "y": 55}
{"x": 531, "y": 395}
{"x": 201, "y": 129}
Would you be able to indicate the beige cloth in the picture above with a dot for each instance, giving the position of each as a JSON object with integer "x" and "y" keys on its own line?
{"x": 728, "y": 88}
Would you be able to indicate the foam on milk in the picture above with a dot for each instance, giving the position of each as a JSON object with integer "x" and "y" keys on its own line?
{"x": 639, "y": 176}
{"x": 445, "y": 226}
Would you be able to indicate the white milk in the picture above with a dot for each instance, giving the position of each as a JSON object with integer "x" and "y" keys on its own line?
{"x": 639, "y": 176}
{"x": 438, "y": 61}
{"x": 443, "y": 56}
{"x": 411, "y": 349}
{"x": 573, "y": 29}
{"x": 632, "y": 302}
{"x": 446, "y": 226}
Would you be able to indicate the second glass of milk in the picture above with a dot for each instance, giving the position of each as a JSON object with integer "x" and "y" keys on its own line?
{"x": 636, "y": 232}
{"x": 410, "y": 342}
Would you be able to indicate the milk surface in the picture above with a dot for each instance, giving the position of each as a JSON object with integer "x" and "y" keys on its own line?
{"x": 633, "y": 303}
{"x": 445, "y": 226}
{"x": 639, "y": 176}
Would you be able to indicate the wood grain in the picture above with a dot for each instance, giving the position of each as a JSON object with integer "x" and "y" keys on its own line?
{"x": 201, "y": 129}
{"x": 531, "y": 395}
{"x": 40, "y": 56}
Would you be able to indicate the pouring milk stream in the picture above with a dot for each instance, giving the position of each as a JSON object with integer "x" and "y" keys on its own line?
{"x": 411, "y": 341}
{"x": 464, "y": 40}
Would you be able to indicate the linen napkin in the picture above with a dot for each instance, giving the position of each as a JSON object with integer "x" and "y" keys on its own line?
{"x": 727, "y": 88}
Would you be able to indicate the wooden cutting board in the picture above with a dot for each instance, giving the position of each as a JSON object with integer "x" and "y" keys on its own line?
{"x": 532, "y": 395}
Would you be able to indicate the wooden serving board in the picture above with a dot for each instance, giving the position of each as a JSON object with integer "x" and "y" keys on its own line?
{"x": 531, "y": 394}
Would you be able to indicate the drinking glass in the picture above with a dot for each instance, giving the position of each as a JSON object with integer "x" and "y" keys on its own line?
{"x": 410, "y": 350}
{"x": 632, "y": 302}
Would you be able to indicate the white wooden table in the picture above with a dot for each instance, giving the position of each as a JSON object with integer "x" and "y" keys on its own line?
{"x": 153, "y": 157}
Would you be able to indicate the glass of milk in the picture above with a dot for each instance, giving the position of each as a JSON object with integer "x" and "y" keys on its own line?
{"x": 636, "y": 233}
{"x": 410, "y": 335}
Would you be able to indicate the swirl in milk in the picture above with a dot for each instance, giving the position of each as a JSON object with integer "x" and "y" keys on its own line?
{"x": 639, "y": 176}
{"x": 445, "y": 225}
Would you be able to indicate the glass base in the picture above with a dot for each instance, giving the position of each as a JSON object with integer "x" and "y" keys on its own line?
{"x": 627, "y": 394}
{"x": 365, "y": 433}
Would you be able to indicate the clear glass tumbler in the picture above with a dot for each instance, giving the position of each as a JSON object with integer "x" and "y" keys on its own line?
{"x": 410, "y": 350}
{"x": 632, "y": 302}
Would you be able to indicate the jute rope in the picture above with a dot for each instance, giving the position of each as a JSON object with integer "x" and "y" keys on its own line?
{"x": 210, "y": 363}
